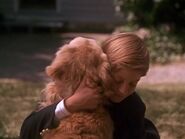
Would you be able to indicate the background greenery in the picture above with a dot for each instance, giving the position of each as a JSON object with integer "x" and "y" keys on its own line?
{"x": 154, "y": 12}
{"x": 165, "y": 21}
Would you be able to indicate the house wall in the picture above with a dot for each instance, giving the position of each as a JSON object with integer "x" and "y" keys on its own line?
{"x": 67, "y": 11}
{"x": 87, "y": 10}
{"x": 7, "y": 6}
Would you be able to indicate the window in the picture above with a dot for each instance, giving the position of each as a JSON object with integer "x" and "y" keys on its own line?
{"x": 38, "y": 4}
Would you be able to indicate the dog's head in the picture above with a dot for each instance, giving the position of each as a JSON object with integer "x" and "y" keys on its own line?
{"x": 80, "y": 58}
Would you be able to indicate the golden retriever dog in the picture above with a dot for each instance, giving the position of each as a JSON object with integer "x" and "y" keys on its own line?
{"x": 80, "y": 59}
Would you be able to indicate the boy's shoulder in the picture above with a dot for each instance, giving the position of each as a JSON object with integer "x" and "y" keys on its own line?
{"x": 131, "y": 103}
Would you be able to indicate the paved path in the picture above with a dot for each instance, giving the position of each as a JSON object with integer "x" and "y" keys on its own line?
{"x": 170, "y": 73}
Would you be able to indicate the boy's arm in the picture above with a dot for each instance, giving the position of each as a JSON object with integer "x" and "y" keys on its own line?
{"x": 135, "y": 113}
{"x": 128, "y": 117}
{"x": 84, "y": 98}
{"x": 138, "y": 126}
{"x": 38, "y": 121}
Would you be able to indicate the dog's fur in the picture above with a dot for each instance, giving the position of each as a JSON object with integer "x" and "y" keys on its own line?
{"x": 81, "y": 58}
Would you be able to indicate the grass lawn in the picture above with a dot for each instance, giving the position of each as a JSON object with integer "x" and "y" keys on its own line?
{"x": 17, "y": 99}
{"x": 165, "y": 107}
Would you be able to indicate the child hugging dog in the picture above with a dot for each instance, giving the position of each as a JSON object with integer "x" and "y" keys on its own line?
{"x": 80, "y": 60}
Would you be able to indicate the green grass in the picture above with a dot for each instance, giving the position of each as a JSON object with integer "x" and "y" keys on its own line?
{"x": 165, "y": 107}
{"x": 17, "y": 99}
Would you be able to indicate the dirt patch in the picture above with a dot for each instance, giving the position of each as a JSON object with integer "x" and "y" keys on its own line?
{"x": 169, "y": 73}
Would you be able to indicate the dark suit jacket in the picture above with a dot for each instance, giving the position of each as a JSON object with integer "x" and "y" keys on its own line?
{"x": 128, "y": 118}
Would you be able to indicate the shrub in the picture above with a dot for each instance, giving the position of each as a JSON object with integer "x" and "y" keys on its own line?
{"x": 164, "y": 47}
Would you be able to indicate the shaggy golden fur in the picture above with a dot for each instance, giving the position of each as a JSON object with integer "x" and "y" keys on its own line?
{"x": 81, "y": 58}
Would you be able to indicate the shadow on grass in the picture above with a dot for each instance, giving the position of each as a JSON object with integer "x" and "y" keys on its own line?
{"x": 25, "y": 55}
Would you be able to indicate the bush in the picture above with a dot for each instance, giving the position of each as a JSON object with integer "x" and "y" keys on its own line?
{"x": 150, "y": 13}
{"x": 164, "y": 47}
{"x": 170, "y": 12}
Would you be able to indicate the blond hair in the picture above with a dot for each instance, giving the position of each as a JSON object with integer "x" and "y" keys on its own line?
{"x": 126, "y": 50}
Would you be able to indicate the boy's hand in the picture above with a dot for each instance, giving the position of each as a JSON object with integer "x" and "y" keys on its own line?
{"x": 84, "y": 98}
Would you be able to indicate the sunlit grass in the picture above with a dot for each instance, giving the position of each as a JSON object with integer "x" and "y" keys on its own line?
{"x": 17, "y": 99}
{"x": 165, "y": 106}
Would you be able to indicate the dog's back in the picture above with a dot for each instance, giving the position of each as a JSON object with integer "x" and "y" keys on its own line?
{"x": 84, "y": 125}
{"x": 82, "y": 58}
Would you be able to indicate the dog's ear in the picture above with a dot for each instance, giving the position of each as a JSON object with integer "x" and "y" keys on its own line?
{"x": 58, "y": 65}
{"x": 105, "y": 76}
{"x": 49, "y": 95}
{"x": 54, "y": 72}
{"x": 103, "y": 69}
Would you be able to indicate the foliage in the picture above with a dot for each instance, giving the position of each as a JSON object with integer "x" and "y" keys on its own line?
{"x": 171, "y": 12}
{"x": 164, "y": 47}
{"x": 141, "y": 9}
{"x": 154, "y": 12}
{"x": 165, "y": 20}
